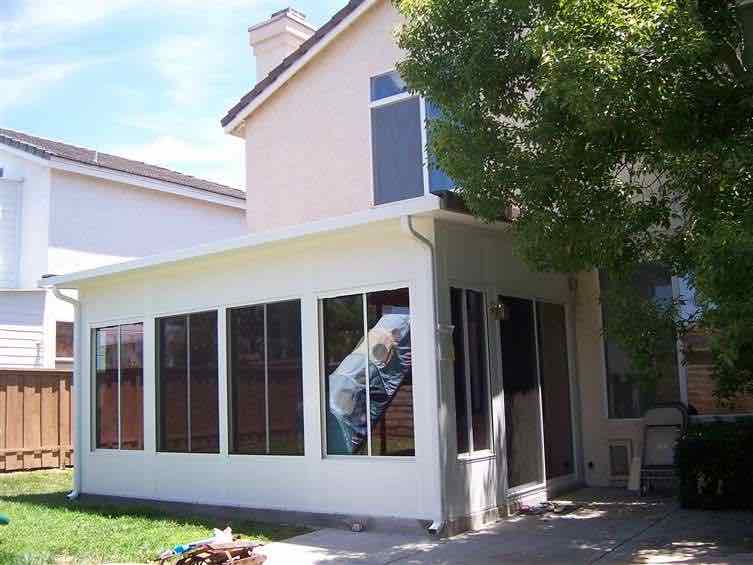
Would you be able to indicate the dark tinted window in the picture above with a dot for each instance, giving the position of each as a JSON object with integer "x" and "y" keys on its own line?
{"x": 266, "y": 372}
{"x": 369, "y": 386}
{"x": 458, "y": 341}
{"x": 390, "y": 373}
{"x": 627, "y": 398}
{"x": 119, "y": 387}
{"x": 439, "y": 181}
{"x": 397, "y": 151}
{"x": 106, "y": 369}
{"x": 285, "y": 378}
{"x": 188, "y": 383}
{"x": 344, "y": 361}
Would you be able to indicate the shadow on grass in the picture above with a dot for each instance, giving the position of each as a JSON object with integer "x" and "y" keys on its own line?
{"x": 203, "y": 516}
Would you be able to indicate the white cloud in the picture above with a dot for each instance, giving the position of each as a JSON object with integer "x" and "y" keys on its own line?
{"x": 23, "y": 85}
{"x": 38, "y": 22}
{"x": 208, "y": 154}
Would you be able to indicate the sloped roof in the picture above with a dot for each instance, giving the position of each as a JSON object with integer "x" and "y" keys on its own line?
{"x": 47, "y": 148}
{"x": 288, "y": 61}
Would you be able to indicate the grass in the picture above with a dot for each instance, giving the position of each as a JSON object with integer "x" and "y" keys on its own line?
{"x": 47, "y": 528}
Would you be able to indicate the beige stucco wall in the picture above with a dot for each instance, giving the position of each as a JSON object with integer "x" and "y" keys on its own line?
{"x": 308, "y": 150}
{"x": 598, "y": 430}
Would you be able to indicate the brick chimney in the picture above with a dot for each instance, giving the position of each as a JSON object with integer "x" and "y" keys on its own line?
{"x": 276, "y": 38}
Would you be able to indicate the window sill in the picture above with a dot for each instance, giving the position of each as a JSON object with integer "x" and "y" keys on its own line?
{"x": 483, "y": 455}
{"x": 372, "y": 458}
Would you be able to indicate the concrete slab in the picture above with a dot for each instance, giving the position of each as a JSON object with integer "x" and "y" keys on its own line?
{"x": 609, "y": 526}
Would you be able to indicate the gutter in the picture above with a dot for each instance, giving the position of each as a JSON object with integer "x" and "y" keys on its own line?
{"x": 78, "y": 436}
{"x": 437, "y": 527}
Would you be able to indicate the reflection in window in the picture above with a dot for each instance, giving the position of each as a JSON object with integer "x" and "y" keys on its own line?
{"x": 368, "y": 334}
{"x": 471, "y": 375}
{"x": 627, "y": 398}
{"x": 187, "y": 380}
{"x": 119, "y": 386}
{"x": 386, "y": 85}
{"x": 439, "y": 181}
{"x": 266, "y": 373}
{"x": 63, "y": 339}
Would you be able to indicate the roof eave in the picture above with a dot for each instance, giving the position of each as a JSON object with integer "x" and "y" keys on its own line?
{"x": 235, "y": 121}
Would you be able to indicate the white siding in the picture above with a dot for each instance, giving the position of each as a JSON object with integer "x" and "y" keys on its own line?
{"x": 10, "y": 204}
{"x": 21, "y": 329}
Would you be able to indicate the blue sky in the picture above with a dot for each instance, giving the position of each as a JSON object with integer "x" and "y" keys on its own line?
{"x": 146, "y": 79}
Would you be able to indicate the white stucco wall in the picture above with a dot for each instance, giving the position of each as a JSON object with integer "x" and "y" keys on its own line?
{"x": 308, "y": 149}
{"x": 94, "y": 222}
{"x": 371, "y": 257}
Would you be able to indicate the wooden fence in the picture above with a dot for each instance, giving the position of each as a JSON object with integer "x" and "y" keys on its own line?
{"x": 35, "y": 419}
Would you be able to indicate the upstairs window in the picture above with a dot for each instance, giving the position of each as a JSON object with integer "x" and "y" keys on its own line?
{"x": 402, "y": 168}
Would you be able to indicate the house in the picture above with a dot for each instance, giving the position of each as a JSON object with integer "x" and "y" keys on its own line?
{"x": 64, "y": 208}
{"x": 489, "y": 385}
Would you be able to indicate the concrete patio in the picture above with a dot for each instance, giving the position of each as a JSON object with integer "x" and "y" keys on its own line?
{"x": 610, "y": 526}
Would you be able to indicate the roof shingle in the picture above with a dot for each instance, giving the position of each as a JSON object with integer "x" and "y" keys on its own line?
{"x": 47, "y": 148}
{"x": 288, "y": 61}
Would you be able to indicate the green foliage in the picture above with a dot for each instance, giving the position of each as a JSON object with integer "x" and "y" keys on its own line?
{"x": 622, "y": 130}
{"x": 45, "y": 526}
{"x": 715, "y": 463}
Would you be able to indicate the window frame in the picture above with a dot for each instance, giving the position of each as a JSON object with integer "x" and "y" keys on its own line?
{"x": 490, "y": 452}
{"x": 229, "y": 377}
{"x": 682, "y": 369}
{"x": 93, "y": 327}
{"x": 388, "y": 101}
{"x": 221, "y": 354}
{"x": 319, "y": 297}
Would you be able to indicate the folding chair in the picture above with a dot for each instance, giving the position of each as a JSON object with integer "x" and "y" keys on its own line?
{"x": 663, "y": 424}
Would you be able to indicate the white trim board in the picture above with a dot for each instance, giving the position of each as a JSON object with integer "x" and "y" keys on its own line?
{"x": 417, "y": 206}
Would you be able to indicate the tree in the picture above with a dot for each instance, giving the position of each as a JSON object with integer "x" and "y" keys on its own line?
{"x": 622, "y": 131}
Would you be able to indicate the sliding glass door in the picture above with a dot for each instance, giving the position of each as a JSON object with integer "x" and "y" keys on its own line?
{"x": 536, "y": 385}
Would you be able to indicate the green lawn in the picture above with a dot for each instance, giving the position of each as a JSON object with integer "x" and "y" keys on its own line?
{"x": 46, "y": 527}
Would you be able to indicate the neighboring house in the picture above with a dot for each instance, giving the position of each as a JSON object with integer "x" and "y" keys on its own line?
{"x": 64, "y": 209}
{"x": 489, "y": 385}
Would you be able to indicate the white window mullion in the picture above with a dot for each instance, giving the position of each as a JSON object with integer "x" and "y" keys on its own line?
{"x": 424, "y": 145}
{"x": 266, "y": 381}
{"x": 188, "y": 380}
{"x": 538, "y": 386}
{"x": 364, "y": 298}
{"x": 120, "y": 432}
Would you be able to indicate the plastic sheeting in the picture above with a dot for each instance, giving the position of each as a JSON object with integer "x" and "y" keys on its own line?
{"x": 388, "y": 363}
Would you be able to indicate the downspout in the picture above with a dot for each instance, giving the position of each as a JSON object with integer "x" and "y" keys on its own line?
{"x": 406, "y": 223}
{"x": 77, "y": 447}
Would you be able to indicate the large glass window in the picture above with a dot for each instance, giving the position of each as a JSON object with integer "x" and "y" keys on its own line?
{"x": 368, "y": 334}
{"x": 472, "y": 401}
{"x": 266, "y": 372}
{"x": 397, "y": 140}
{"x": 627, "y": 397}
{"x": 119, "y": 387}
{"x": 188, "y": 402}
